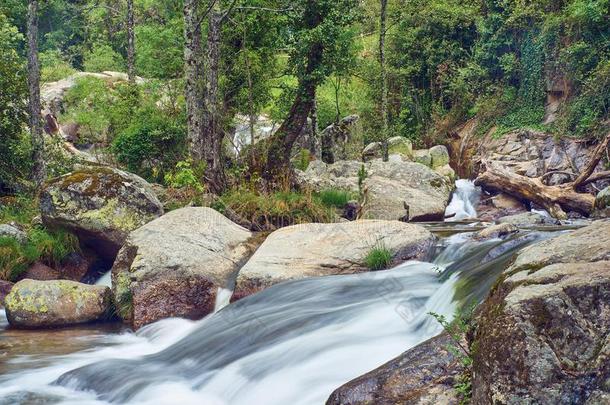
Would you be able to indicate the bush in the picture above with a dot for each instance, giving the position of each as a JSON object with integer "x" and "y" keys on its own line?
{"x": 152, "y": 145}
{"x": 42, "y": 245}
{"x": 270, "y": 211}
{"x": 336, "y": 198}
{"x": 102, "y": 57}
{"x": 53, "y": 67}
{"x": 378, "y": 258}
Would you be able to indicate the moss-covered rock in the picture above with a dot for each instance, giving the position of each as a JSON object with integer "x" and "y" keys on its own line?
{"x": 602, "y": 203}
{"x": 439, "y": 156}
{"x": 101, "y": 205}
{"x": 33, "y": 304}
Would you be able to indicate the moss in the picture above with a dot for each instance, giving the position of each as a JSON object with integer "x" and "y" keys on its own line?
{"x": 123, "y": 295}
{"x": 112, "y": 213}
{"x": 402, "y": 148}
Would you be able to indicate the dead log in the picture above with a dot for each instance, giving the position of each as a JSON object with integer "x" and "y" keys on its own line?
{"x": 557, "y": 200}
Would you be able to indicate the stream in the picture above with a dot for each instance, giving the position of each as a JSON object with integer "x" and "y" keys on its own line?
{"x": 293, "y": 343}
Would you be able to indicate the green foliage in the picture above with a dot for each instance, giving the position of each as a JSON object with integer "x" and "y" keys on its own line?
{"x": 184, "y": 177}
{"x": 14, "y": 147}
{"x": 42, "y": 245}
{"x": 303, "y": 159}
{"x": 102, "y": 57}
{"x": 264, "y": 211}
{"x": 53, "y": 66}
{"x": 159, "y": 50}
{"x": 458, "y": 330}
{"x": 152, "y": 145}
{"x": 362, "y": 175}
{"x": 378, "y": 258}
{"x": 336, "y": 198}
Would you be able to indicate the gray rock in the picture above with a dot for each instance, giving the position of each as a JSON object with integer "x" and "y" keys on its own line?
{"x": 396, "y": 189}
{"x": 602, "y": 203}
{"x": 174, "y": 265}
{"x": 38, "y": 304}
{"x": 528, "y": 219}
{"x": 312, "y": 250}
{"x": 10, "y": 231}
{"x": 496, "y": 231}
{"x": 424, "y": 374}
{"x": 542, "y": 333}
{"x": 422, "y": 156}
{"x": 439, "y": 156}
{"x": 101, "y": 205}
{"x": 397, "y": 145}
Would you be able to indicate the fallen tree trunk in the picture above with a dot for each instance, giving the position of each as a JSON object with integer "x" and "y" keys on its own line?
{"x": 557, "y": 200}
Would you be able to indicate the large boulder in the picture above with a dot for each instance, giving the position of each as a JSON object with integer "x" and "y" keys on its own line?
{"x": 396, "y": 189}
{"x": 310, "y": 250}
{"x": 542, "y": 336}
{"x": 101, "y": 205}
{"x": 174, "y": 265}
{"x": 439, "y": 156}
{"x": 397, "y": 145}
{"x": 424, "y": 374}
{"x": 33, "y": 304}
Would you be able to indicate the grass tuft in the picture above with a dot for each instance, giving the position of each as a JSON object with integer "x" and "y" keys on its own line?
{"x": 378, "y": 258}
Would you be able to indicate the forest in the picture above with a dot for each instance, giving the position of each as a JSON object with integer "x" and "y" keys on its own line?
{"x": 269, "y": 201}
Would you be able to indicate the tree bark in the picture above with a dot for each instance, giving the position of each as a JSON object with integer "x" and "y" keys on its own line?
{"x": 314, "y": 144}
{"x": 555, "y": 199}
{"x": 193, "y": 72}
{"x": 39, "y": 168}
{"x": 384, "y": 80}
{"x": 213, "y": 133}
{"x": 131, "y": 47}
{"x": 277, "y": 167}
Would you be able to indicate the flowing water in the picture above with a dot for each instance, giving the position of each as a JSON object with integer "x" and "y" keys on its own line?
{"x": 292, "y": 343}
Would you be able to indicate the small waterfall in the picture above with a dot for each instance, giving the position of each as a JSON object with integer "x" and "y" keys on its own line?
{"x": 223, "y": 297}
{"x": 106, "y": 279}
{"x": 463, "y": 202}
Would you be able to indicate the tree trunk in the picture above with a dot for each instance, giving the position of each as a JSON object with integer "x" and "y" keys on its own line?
{"x": 213, "y": 133}
{"x": 314, "y": 144}
{"x": 193, "y": 71}
{"x": 131, "y": 50}
{"x": 39, "y": 169}
{"x": 384, "y": 79}
{"x": 277, "y": 167}
{"x": 555, "y": 199}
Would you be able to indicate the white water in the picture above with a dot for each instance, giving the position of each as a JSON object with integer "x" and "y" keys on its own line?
{"x": 293, "y": 343}
{"x": 463, "y": 202}
{"x": 106, "y": 279}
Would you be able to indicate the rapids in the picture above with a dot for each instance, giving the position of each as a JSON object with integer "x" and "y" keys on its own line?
{"x": 292, "y": 343}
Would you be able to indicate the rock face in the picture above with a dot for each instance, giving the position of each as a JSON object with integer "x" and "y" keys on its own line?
{"x": 542, "y": 336}
{"x": 33, "y": 304}
{"x": 311, "y": 250}
{"x": 424, "y": 374}
{"x": 396, "y": 189}
{"x": 174, "y": 265}
{"x": 528, "y": 219}
{"x": 101, "y": 205}
{"x": 11, "y": 231}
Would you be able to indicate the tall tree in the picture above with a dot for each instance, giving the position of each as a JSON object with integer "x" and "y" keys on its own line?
{"x": 131, "y": 47}
{"x": 384, "y": 78}
{"x": 39, "y": 169}
{"x": 319, "y": 27}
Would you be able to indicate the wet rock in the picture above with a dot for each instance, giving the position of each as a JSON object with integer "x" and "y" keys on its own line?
{"x": 542, "y": 334}
{"x": 75, "y": 265}
{"x": 36, "y": 304}
{"x": 101, "y": 205}
{"x": 396, "y": 189}
{"x": 40, "y": 271}
{"x": 496, "y": 231}
{"x": 5, "y": 289}
{"x": 501, "y": 205}
{"x": 13, "y": 231}
{"x": 174, "y": 265}
{"x": 311, "y": 250}
{"x": 424, "y": 374}
{"x": 528, "y": 219}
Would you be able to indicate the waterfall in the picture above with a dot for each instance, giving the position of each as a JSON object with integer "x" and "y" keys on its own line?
{"x": 463, "y": 202}
{"x": 294, "y": 342}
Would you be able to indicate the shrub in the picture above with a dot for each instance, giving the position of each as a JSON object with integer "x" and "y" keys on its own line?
{"x": 336, "y": 198}
{"x": 42, "y": 245}
{"x": 184, "y": 177}
{"x": 270, "y": 211}
{"x": 103, "y": 57}
{"x": 378, "y": 258}
{"x": 53, "y": 67}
